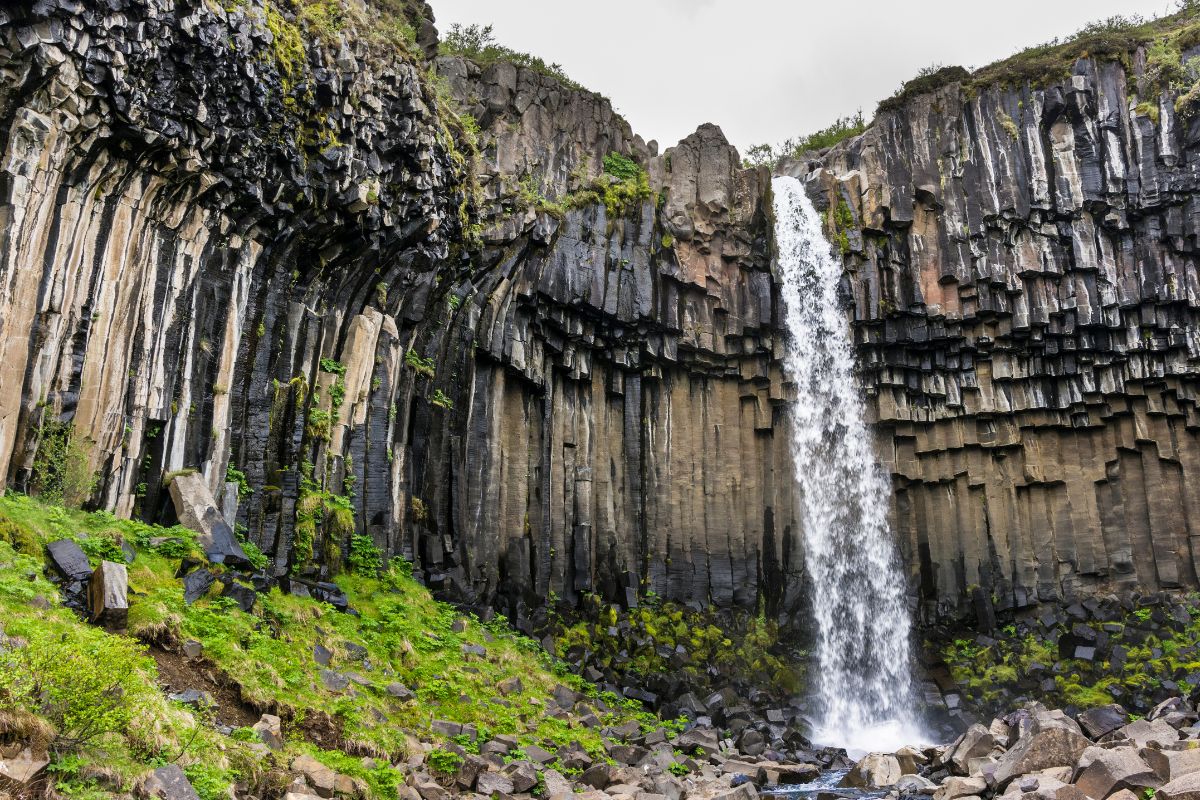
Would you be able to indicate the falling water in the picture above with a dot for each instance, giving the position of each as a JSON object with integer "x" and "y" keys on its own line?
{"x": 858, "y": 589}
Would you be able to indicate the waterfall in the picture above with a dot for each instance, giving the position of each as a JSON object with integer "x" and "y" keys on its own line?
{"x": 862, "y": 659}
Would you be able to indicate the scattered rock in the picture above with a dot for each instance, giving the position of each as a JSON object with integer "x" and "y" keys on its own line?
{"x": 977, "y": 742}
{"x": 334, "y": 681}
{"x": 270, "y": 730}
{"x": 1103, "y": 771}
{"x": 491, "y": 783}
{"x": 956, "y": 787}
{"x": 22, "y": 769}
{"x": 320, "y": 777}
{"x": 1183, "y": 788}
{"x": 196, "y": 698}
{"x": 1102, "y": 720}
{"x": 108, "y": 598}
{"x": 522, "y": 774}
{"x": 196, "y": 584}
{"x": 69, "y": 560}
{"x": 169, "y": 783}
{"x": 875, "y": 771}
{"x": 1050, "y": 741}
{"x": 1145, "y": 732}
{"x": 400, "y": 691}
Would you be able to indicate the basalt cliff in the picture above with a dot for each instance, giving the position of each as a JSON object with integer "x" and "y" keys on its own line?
{"x": 463, "y": 310}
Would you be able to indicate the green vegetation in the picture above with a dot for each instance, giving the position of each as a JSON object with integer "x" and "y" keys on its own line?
{"x": 422, "y": 366}
{"x": 440, "y": 400}
{"x": 1112, "y": 39}
{"x": 90, "y": 696}
{"x": 929, "y": 79}
{"x": 478, "y": 43}
{"x": 1025, "y": 654}
{"x": 765, "y": 155}
{"x": 365, "y": 557}
{"x": 331, "y": 366}
{"x": 62, "y": 470}
{"x": 840, "y": 221}
{"x": 322, "y": 517}
{"x": 95, "y": 693}
{"x": 235, "y": 475}
{"x": 622, "y": 185}
{"x": 744, "y": 647}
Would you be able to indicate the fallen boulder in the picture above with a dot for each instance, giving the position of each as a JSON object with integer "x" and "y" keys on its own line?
{"x": 1144, "y": 732}
{"x": 1184, "y": 788}
{"x": 1103, "y": 771}
{"x": 874, "y": 771}
{"x": 19, "y": 771}
{"x": 977, "y": 742}
{"x": 168, "y": 783}
{"x": 1103, "y": 720}
{"x": 1048, "y": 740}
{"x": 196, "y": 509}
{"x": 108, "y": 595}
{"x": 1170, "y": 765}
{"x": 68, "y": 560}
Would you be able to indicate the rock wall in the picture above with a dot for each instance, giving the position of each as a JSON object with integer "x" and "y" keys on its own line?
{"x": 1023, "y": 271}
{"x": 229, "y": 244}
{"x": 618, "y": 417}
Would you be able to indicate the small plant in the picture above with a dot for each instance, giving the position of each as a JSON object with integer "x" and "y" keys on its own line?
{"x": 332, "y": 366}
{"x": 365, "y": 557}
{"x": 678, "y": 769}
{"x": 444, "y": 762}
{"x": 234, "y": 475}
{"x": 422, "y": 366}
{"x": 62, "y": 471}
{"x": 478, "y": 43}
{"x": 440, "y": 400}
{"x": 622, "y": 167}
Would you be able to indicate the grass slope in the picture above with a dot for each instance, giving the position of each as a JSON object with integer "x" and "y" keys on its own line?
{"x": 401, "y": 634}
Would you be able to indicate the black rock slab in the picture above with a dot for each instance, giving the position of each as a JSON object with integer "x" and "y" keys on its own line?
{"x": 69, "y": 560}
{"x": 197, "y": 584}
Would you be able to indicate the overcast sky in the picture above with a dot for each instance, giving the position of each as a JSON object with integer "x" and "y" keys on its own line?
{"x": 765, "y": 70}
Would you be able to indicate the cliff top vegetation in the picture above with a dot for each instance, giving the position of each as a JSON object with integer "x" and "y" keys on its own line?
{"x": 478, "y": 43}
{"x": 1116, "y": 38}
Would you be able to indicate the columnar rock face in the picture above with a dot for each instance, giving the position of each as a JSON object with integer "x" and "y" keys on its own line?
{"x": 618, "y": 420}
{"x": 229, "y": 245}
{"x": 1023, "y": 269}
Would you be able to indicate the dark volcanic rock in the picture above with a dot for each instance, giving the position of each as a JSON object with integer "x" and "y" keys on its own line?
{"x": 69, "y": 560}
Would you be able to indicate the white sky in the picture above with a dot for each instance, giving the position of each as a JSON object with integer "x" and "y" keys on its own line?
{"x": 765, "y": 70}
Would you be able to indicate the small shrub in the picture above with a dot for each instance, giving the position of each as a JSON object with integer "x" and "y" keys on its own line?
{"x": 365, "y": 557}
{"x": 444, "y": 762}
{"x": 234, "y": 475}
{"x": 85, "y": 685}
{"x": 478, "y": 43}
{"x": 62, "y": 471}
{"x": 332, "y": 366}
{"x": 422, "y": 366}
{"x": 621, "y": 167}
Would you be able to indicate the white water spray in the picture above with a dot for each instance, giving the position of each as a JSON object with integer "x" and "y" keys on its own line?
{"x": 858, "y": 589}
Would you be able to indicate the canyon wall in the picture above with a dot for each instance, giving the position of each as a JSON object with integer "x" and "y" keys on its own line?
{"x": 1023, "y": 272}
{"x": 232, "y": 247}
{"x": 395, "y": 295}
